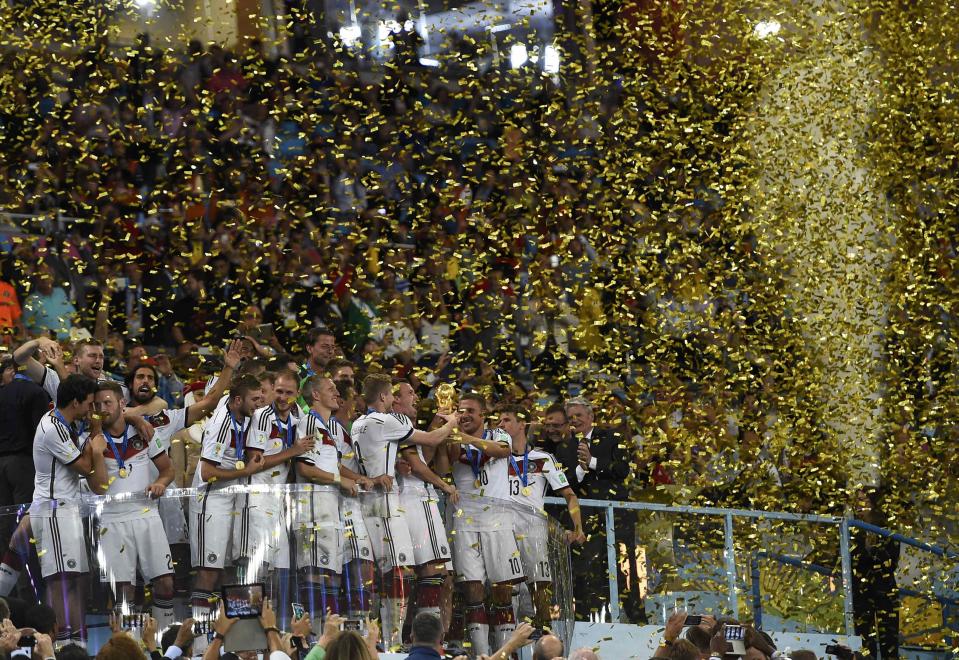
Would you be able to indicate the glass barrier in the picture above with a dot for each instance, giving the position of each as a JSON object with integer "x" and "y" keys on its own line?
{"x": 375, "y": 555}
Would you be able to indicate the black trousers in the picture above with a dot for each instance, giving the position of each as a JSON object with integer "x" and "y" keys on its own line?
{"x": 591, "y": 572}
{"x": 16, "y": 487}
{"x": 877, "y": 622}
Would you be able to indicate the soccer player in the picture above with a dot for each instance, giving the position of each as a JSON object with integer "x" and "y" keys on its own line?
{"x": 225, "y": 459}
{"x": 377, "y": 437}
{"x": 531, "y": 472}
{"x": 131, "y": 532}
{"x": 484, "y": 546}
{"x": 61, "y": 460}
{"x": 418, "y": 498}
{"x": 275, "y": 434}
{"x": 317, "y": 534}
{"x": 321, "y": 348}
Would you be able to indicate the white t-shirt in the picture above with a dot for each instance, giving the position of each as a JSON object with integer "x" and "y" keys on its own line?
{"x": 273, "y": 435}
{"x": 55, "y": 447}
{"x": 492, "y": 475}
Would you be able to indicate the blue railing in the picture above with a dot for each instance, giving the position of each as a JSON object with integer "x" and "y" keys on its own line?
{"x": 844, "y": 524}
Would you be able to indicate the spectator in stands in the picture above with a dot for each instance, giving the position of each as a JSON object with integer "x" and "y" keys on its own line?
{"x": 48, "y": 309}
{"x": 584, "y": 654}
{"x": 426, "y": 636}
{"x": 548, "y": 647}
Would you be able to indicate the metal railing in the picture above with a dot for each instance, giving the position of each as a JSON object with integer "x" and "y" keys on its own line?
{"x": 729, "y": 516}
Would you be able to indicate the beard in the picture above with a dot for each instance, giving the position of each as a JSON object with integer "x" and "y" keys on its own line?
{"x": 142, "y": 395}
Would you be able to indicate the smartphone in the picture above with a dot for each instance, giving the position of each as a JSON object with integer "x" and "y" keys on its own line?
{"x": 263, "y": 332}
{"x": 351, "y": 624}
{"x": 243, "y": 601}
{"x": 841, "y": 652}
{"x": 693, "y": 620}
{"x": 298, "y": 610}
{"x": 734, "y": 633}
{"x": 204, "y": 350}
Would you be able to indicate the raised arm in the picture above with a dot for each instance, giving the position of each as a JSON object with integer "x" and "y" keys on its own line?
{"x": 204, "y": 406}
{"x": 435, "y": 437}
{"x": 32, "y": 367}
{"x": 423, "y": 471}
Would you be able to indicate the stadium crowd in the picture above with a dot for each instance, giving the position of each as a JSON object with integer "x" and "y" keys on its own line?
{"x": 336, "y": 226}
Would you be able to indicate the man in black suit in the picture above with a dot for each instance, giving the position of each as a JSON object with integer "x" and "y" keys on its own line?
{"x": 600, "y": 471}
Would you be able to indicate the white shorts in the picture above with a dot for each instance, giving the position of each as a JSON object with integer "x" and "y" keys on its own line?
{"x": 124, "y": 544}
{"x": 534, "y": 552}
{"x": 356, "y": 536}
{"x": 492, "y": 556}
{"x": 174, "y": 520}
{"x": 212, "y": 516}
{"x": 392, "y": 545}
{"x": 317, "y": 533}
{"x": 427, "y": 531}
{"x": 61, "y": 542}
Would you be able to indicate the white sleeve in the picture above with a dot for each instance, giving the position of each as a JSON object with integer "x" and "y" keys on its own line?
{"x": 554, "y": 475}
{"x": 397, "y": 428}
{"x": 50, "y": 381}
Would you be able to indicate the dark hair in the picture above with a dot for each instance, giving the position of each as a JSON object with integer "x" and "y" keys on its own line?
{"x": 250, "y": 366}
{"x": 339, "y": 363}
{"x": 345, "y": 389}
{"x": 74, "y": 388}
{"x": 72, "y": 652}
{"x": 556, "y": 408}
{"x": 803, "y": 654}
{"x": 111, "y": 386}
{"x": 133, "y": 372}
{"x": 374, "y": 385}
{"x": 699, "y": 637}
{"x": 280, "y": 362}
{"x": 427, "y": 629}
{"x": 475, "y": 396}
{"x": 243, "y": 385}
{"x": 315, "y": 333}
{"x": 41, "y": 618}
{"x": 516, "y": 410}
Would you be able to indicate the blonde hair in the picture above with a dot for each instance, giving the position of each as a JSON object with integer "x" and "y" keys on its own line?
{"x": 348, "y": 645}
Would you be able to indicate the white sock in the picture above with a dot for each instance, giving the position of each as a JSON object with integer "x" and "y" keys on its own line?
{"x": 9, "y": 577}
{"x": 392, "y": 617}
{"x": 163, "y": 612}
{"x": 479, "y": 638}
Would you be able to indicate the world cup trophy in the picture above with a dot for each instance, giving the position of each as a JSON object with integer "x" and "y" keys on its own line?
{"x": 445, "y": 398}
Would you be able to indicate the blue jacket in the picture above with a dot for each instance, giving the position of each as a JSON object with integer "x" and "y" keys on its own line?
{"x": 423, "y": 653}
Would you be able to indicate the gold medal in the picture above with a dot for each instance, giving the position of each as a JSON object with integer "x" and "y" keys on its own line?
{"x": 124, "y": 473}
{"x": 240, "y": 465}
{"x": 527, "y": 491}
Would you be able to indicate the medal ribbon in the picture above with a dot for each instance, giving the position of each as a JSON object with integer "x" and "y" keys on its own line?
{"x": 475, "y": 456}
{"x": 240, "y": 437}
{"x": 288, "y": 431}
{"x": 524, "y": 475}
{"x": 322, "y": 423}
{"x": 113, "y": 446}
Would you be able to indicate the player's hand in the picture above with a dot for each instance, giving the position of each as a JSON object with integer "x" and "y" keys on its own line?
{"x": 403, "y": 466}
{"x": 115, "y": 623}
{"x": 150, "y": 633}
{"x": 98, "y": 443}
{"x": 156, "y": 490}
{"x": 184, "y": 636}
{"x": 9, "y": 636}
{"x": 452, "y": 495}
{"x": 143, "y": 428}
{"x": 304, "y": 444}
{"x": 233, "y": 355}
{"x": 223, "y": 623}
{"x": 254, "y": 465}
{"x": 384, "y": 481}
{"x": 302, "y": 627}
{"x": 576, "y": 536}
{"x": 331, "y": 629}
{"x": 50, "y": 351}
{"x": 349, "y": 486}
{"x": 674, "y": 626}
{"x": 44, "y": 646}
{"x": 364, "y": 482}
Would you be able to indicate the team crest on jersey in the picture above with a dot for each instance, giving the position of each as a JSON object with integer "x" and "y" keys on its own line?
{"x": 137, "y": 443}
{"x": 365, "y": 552}
{"x": 211, "y": 557}
{"x": 71, "y": 563}
{"x": 443, "y": 550}
{"x": 402, "y": 556}
{"x": 324, "y": 560}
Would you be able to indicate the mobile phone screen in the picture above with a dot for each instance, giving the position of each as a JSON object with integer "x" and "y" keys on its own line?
{"x": 243, "y": 601}
{"x": 298, "y": 610}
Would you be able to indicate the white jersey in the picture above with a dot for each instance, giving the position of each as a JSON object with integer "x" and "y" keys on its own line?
{"x": 224, "y": 437}
{"x": 273, "y": 435}
{"x": 137, "y": 455}
{"x": 376, "y": 440}
{"x": 410, "y": 484}
{"x": 346, "y": 447}
{"x": 475, "y": 473}
{"x": 540, "y": 471}
{"x": 56, "y": 446}
{"x": 324, "y": 455}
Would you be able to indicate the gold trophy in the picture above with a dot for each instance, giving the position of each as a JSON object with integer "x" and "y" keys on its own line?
{"x": 445, "y": 399}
